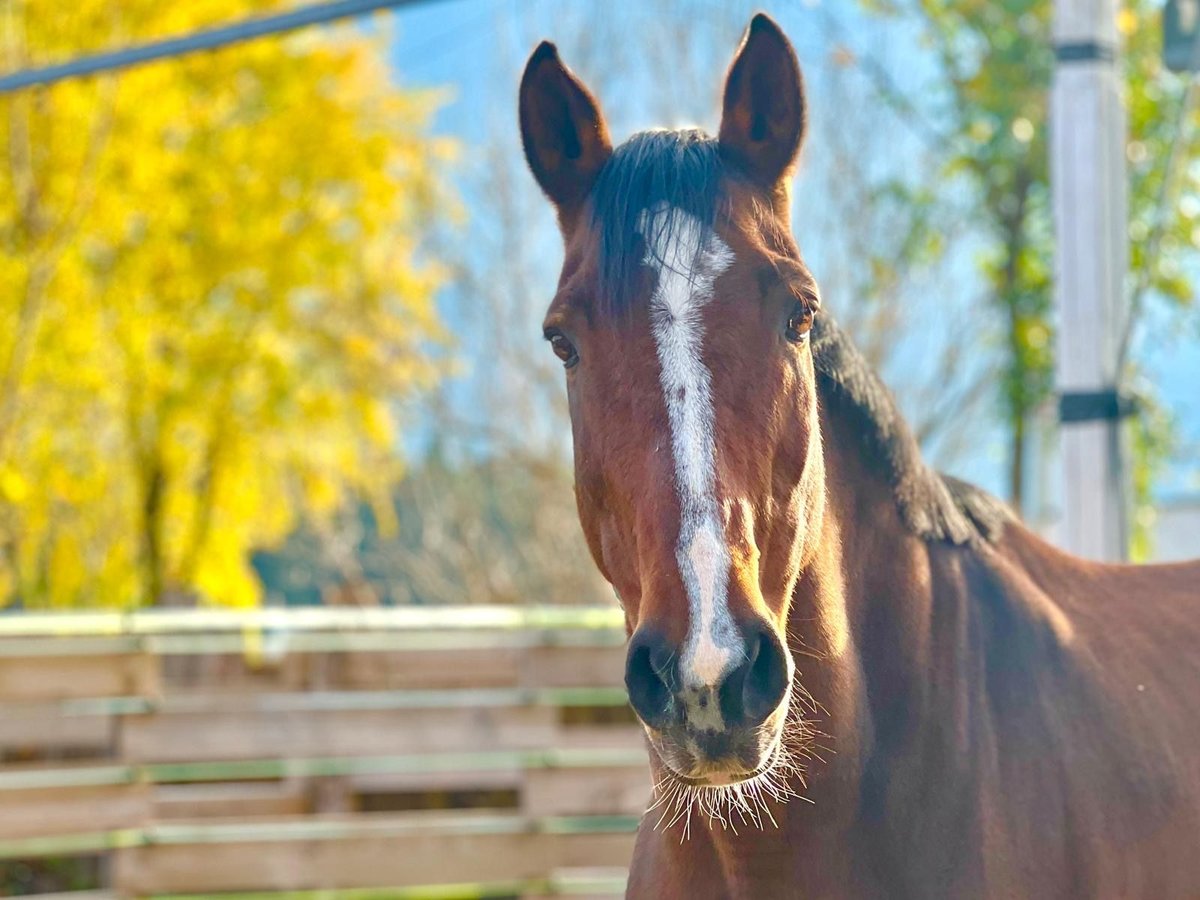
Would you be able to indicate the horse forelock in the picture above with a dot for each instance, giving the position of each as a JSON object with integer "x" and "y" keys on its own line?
{"x": 680, "y": 170}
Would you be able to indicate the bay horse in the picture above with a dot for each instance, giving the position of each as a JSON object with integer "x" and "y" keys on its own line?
{"x": 813, "y": 613}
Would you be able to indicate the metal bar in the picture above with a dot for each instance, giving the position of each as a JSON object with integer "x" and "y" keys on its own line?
{"x": 53, "y": 779}
{"x": 475, "y": 890}
{"x": 427, "y": 698}
{"x": 1084, "y": 51}
{"x": 1101, "y": 405}
{"x": 318, "y": 829}
{"x": 209, "y": 39}
{"x": 570, "y": 884}
{"x": 565, "y": 885}
{"x": 321, "y": 767}
{"x": 304, "y": 642}
{"x": 71, "y": 844}
{"x": 32, "y": 647}
{"x": 320, "y": 701}
{"x": 309, "y": 619}
{"x": 311, "y": 829}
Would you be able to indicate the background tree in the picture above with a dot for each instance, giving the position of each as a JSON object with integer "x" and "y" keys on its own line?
{"x": 212, "y": 299}
{"x": 985, "y": 109}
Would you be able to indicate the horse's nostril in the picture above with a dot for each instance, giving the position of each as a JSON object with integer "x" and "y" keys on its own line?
{"x": 647, "y": 673}
{"x": 768, "y": 679}
{"x": 745, "y": 698}
{"x": 754, "y": 690}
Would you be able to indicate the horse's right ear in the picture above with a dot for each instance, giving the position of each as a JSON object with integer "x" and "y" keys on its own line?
{"x": 566, "y": 140}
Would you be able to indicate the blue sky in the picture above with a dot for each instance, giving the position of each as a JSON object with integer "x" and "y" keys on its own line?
{"x": 474, "y": 49}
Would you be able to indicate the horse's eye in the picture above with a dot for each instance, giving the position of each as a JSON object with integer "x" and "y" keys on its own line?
{"x": 562, "y": 348}
{"x": 800, "y": 322}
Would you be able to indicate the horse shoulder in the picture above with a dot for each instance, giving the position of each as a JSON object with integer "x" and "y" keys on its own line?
{"x": 1108, "y": 715}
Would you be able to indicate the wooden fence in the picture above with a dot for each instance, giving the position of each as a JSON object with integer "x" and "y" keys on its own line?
{"x": 473, "y": 752}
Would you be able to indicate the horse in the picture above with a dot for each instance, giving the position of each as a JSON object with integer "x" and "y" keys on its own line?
{"x": 856, "y": 677}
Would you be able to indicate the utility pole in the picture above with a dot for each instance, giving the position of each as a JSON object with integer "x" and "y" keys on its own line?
{"x": 1088, "y": 177}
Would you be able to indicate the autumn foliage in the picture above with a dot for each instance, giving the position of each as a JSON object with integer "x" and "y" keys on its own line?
{"x": 212, "y": 299}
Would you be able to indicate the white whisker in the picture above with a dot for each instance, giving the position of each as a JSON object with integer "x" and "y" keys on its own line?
{"x": 749, "y": 801}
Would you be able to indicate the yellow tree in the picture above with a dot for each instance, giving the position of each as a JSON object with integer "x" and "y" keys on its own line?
{"x": 212, "y": 299}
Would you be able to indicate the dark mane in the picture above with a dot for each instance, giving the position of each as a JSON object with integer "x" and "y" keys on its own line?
{"x": 680, "y": 168}
{"x": 937, "y": 507}
{"x": 684, "y": 170}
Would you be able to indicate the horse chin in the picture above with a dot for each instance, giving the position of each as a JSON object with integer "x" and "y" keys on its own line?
{"x": 718, "y": 778}
{"x": 749, "y": 762}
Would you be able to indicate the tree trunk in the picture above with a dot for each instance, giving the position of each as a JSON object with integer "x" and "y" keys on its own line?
{"x": 1016, "y": 469}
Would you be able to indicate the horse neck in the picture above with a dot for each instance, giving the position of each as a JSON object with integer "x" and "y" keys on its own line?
{"x": 860, "y": 618}
{"x": 907, "y": 641}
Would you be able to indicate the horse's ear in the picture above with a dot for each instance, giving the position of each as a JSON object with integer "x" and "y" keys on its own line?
{"x": 762, "y": 119}
{"x": 566, "y": 140}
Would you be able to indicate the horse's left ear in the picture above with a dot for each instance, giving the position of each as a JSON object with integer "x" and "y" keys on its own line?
{"x": 566, "y": 140}
{"x": 762, "y": 119}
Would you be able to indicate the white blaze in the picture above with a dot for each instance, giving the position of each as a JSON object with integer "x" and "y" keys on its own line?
{"x": 686, "y": 272}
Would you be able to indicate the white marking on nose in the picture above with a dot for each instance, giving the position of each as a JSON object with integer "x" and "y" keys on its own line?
{"x": 687, "y": 266}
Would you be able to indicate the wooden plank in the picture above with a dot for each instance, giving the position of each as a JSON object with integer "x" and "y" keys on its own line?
{"x": 332, "y": 795}
{"x": 234, "y": 673}
{"x": 612, "y": 790}
{"x": 25, "y": 678}
{"x": 362, "y": 861}
{"x": 245, "y": 800}
{"x": 574, "y": 666}
{"x": 43, "y": 812}
{"x": 461, "y": 780}
{"x": 246, "y": 734}
{"x": 600, "y": 737}
{"x": 424, "y": 669}
{"x": 584, "y": 850}
{"x": 76, "y": 736}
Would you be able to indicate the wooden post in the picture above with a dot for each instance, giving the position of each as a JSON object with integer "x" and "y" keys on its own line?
{"x": 1088, "y": 176}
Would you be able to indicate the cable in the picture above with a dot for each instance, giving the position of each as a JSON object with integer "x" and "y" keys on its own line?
{"x": 209, "y": 39}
